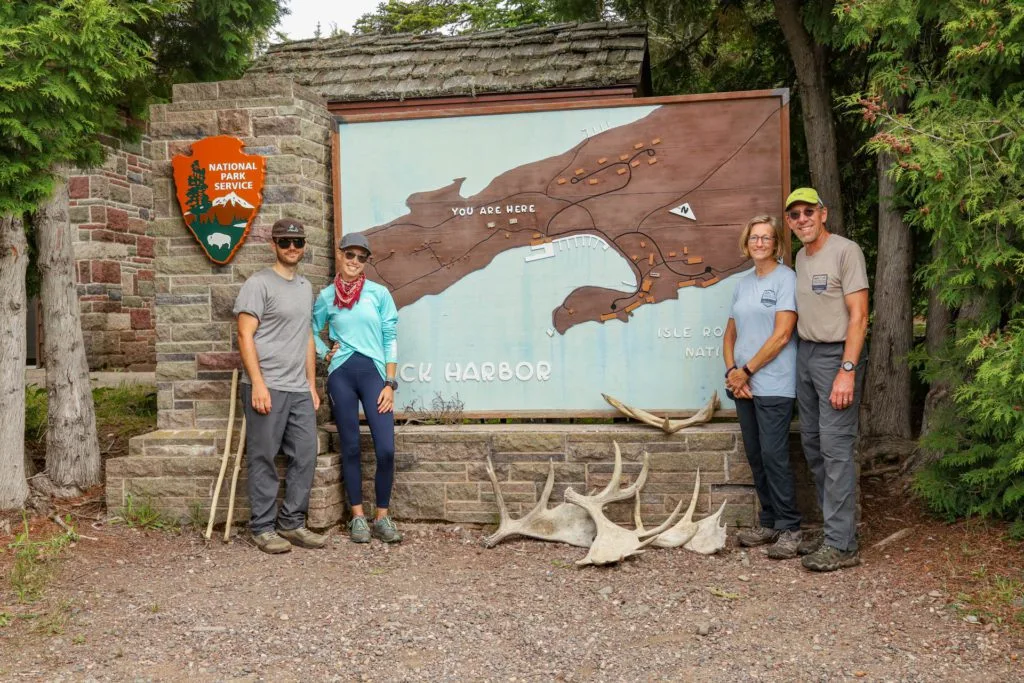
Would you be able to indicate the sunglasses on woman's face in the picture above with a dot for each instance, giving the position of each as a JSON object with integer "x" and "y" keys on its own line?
{"x": 349, "y": 255}
{"x": 285, "y": 242}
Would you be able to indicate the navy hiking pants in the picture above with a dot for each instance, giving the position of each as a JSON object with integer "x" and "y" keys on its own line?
{"x": 355, "y": 382}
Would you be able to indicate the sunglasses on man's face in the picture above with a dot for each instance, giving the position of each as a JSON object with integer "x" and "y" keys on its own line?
{"x": 285, "y": 242}
{"x": 807, "y": 212}
{"x": 349, "y": 255}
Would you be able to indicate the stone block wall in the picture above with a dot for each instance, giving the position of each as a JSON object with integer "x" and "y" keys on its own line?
{"x": 441, "y": 475}
{"x": 196, "y": 348}
{"x": 111, "y": 210}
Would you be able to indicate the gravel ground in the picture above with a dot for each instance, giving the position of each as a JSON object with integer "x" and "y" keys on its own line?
{"x": 153, "y": 606}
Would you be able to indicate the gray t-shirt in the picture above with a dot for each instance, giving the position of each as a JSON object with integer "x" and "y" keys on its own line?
{"x": 284, "y": 309}
{"x": 822, "y": 283}
{"x": 755, "y": 302}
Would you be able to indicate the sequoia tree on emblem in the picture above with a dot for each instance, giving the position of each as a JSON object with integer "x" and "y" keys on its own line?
{"x": 219, "y": 189}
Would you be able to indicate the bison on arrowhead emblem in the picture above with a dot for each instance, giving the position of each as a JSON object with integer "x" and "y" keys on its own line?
{"x": 219, "y": 189}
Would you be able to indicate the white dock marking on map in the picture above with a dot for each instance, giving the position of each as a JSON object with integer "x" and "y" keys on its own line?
{"x": 684, "y": 210}
{"x": 546, "y": 250}
{"x": 572, "y": 241}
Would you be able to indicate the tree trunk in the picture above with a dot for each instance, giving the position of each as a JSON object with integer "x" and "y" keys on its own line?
{"x": 887, "y": 390}
{"x": 13, "y": 264}
{"x": 72, "y": 449}
{"x": 811, "y": 63}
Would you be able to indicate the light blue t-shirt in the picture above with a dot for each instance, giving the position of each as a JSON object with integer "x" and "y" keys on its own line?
{"x": 369, "y": 327}
{"x": 754, "y": 305}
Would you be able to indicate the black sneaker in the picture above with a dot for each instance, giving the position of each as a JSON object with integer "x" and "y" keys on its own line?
{"x": 813, "y": 538}
{"x": 757, "y": 535}
{"x": 828, "y": 559}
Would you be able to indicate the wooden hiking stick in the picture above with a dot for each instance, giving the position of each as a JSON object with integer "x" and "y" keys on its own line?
{"x": 224, "y": 457}
{"x": 234, "y": 481}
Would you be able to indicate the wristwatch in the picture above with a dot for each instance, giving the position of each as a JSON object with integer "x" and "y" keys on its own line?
{"x": 393, "y": 383}
{"x": 848, "y": 365}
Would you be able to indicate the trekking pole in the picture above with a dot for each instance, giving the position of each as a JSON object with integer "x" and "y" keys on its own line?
{"x": 224, "y": 457}
{"x": 234, "y": 481}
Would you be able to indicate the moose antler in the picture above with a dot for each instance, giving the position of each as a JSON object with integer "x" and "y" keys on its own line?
{"x": 705, "y": 537}
{"x": 663, "y": 423}
{"x": 563, "y": 523}
{"x": 614, "y": 543}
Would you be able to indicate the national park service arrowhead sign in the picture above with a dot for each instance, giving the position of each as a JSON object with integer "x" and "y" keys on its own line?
{"x": 220, "y": 189}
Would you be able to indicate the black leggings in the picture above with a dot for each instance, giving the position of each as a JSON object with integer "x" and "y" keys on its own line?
{"x": 353, "y": 382}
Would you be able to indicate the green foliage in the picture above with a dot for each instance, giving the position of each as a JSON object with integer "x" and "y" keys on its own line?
{"x": 63, "y": 67}
{"x": 454, "y": 16}
{"x": 35, "y": 413}
{"x": 959, "y": 165}
{"x": 207, "y": 40}
{"x": 143, "y": 515}
{"x": 35, "y": 561}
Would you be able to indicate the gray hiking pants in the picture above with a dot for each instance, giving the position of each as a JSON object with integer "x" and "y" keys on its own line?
{"x": 829, "y": 437}
{"x": 289, "y": 428}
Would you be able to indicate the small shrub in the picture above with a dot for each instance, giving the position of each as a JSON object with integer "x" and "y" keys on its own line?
{"x": 35, "y": 413}
{"x": 143, "y": 515}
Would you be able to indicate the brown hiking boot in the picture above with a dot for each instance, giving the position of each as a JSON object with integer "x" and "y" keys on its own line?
{"x": 302, "y": 537}
{"x": 785, "y": 548}
{"x": 828, "y": 559}
{"x": 757, "y": 535}
{"x": 813, "y": 538}
{"x": 270, "y": 542}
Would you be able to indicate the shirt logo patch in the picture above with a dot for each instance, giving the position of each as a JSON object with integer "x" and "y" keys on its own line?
{"x": 768, "y": 298}
{"x": 819, "y": 283}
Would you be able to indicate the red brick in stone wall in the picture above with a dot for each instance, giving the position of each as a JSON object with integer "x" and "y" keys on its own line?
{"x": 112, "y": 212}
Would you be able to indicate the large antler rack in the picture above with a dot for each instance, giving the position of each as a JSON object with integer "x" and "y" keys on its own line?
{"x": 614, "y": 543}
{"x": 563, "y": 523}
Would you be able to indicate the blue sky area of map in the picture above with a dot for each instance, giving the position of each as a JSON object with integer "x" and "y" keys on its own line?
{"x": 481, "y": 318}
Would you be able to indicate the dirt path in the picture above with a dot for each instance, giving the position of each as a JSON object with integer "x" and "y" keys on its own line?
{"x": 156, "y": 606}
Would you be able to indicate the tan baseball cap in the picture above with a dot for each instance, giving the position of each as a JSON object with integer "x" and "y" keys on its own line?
{"x": 288, "y": 227}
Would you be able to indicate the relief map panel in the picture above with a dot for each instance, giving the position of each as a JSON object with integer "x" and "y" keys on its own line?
{"x": 539, "y": 259}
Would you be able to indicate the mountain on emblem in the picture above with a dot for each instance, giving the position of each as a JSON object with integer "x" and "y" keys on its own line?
{"x": 219, "y": 190}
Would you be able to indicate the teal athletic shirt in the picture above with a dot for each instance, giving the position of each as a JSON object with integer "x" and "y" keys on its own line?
{"x": 369, "y": 327}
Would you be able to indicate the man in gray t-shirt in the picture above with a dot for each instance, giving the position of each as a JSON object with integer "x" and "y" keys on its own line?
{"x": 275, "y": 341}
{"x": 832, "y": 302}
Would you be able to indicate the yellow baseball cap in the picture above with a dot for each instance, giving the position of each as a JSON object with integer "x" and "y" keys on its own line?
{"x": 808, "y": 195}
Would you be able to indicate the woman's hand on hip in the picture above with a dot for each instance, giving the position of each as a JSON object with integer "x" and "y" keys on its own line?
{"x": 386, "y": 400}
{"x": 330, "y": 354}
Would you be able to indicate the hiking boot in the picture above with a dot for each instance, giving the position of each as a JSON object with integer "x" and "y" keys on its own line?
{"x": 302, "y": 537}
{"x": 757, "y": 535}
{"x": 385, "y": 530}
{"x": 270, "y": 542}
{"x": 828, "y": 559}
{"x": 813, "y": 539}
{"x": 785, "y": 547}
{"x": 359, "y": 530}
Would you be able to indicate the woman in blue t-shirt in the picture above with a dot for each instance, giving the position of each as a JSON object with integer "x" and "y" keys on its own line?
{"x": 760, "y": 357}
{"x": 362, "y": 321}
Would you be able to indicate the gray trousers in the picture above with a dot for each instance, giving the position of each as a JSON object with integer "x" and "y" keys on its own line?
{"x": 829, "y": 437}
{"x": 764, "y": 421}
{"x": 289, "y": 428}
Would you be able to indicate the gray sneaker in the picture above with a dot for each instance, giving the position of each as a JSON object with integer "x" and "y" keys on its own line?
{"x": 828, "y": 559}
{"x": 302, "y": 537}
{"x": 813, "y": 539}
{"x": 785, "y": 548}
{"x": 270, "y": 542}
{"x": 757, "y": 535}
{"x": 359, "y": 530}
{"x": 384, "y": 529}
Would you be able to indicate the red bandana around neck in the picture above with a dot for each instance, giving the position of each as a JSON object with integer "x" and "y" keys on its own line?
{"x": 346, "y": 294}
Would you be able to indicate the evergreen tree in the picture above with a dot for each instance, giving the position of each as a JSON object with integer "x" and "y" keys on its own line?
{"x": 198, "y": 200}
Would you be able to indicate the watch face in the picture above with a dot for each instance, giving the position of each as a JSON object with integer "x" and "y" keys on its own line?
{"x": 848, "y": 365}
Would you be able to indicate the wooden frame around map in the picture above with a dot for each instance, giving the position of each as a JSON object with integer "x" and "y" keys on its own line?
{"x": 461, "y": 109}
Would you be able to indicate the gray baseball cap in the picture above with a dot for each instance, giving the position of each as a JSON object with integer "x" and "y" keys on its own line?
{"x": 355, "y": 239}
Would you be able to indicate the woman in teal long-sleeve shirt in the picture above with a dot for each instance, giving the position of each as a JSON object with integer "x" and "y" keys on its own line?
{"x": 362, "y": 323}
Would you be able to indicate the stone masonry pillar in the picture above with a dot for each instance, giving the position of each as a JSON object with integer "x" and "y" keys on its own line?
{"x": 196, "y": 345}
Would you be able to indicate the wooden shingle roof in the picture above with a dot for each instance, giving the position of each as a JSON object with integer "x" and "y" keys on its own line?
{"x": 405, "y": 65}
